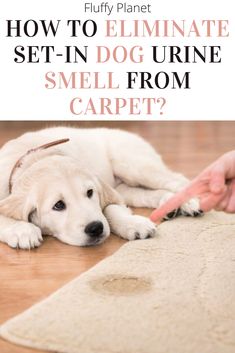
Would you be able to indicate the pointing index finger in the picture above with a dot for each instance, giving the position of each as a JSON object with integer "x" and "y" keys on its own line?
{"x": 193, "y": 189}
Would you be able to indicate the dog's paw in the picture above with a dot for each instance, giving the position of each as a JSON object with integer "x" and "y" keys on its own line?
{"x": 173, "y": 213}
{"x": 24, "y": 236}
{"x": 190, "y": 208}
{"x": 138, "y": 227}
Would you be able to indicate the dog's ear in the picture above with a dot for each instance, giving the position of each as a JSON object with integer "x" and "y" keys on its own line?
{"x": 107, "y": 194}
{"x": 17, "y": 206}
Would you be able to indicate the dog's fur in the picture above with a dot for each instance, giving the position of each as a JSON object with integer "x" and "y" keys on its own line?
{"x": 120, "y": 167}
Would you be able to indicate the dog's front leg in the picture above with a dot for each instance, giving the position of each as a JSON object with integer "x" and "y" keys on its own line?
{"x": 128, "y": 226}
{"x": 19, "y": 234}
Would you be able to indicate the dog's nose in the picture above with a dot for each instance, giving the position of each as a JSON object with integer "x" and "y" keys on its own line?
{"x": 94, "y": 229}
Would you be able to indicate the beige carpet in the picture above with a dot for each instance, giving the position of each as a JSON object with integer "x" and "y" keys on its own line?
{"x": 171, "y": 294}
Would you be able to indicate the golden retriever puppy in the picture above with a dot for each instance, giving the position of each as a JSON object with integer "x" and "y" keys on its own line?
{"x": 78, "y": 191}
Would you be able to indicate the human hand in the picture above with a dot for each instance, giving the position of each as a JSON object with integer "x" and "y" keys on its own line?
{"x": 215, "y": 187}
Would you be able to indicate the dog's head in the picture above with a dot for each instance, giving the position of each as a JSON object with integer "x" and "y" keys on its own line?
{"x": 62, "y": 200}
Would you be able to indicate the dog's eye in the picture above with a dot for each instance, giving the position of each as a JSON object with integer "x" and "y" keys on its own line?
{"x": 89, "y": 193}
{"x": 59, "y": 206}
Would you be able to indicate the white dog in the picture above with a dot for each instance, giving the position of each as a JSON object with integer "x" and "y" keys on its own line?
{"x": 78, "y": 191}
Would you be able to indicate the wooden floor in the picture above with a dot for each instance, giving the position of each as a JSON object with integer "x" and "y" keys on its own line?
{"x": 29, "y": 276}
